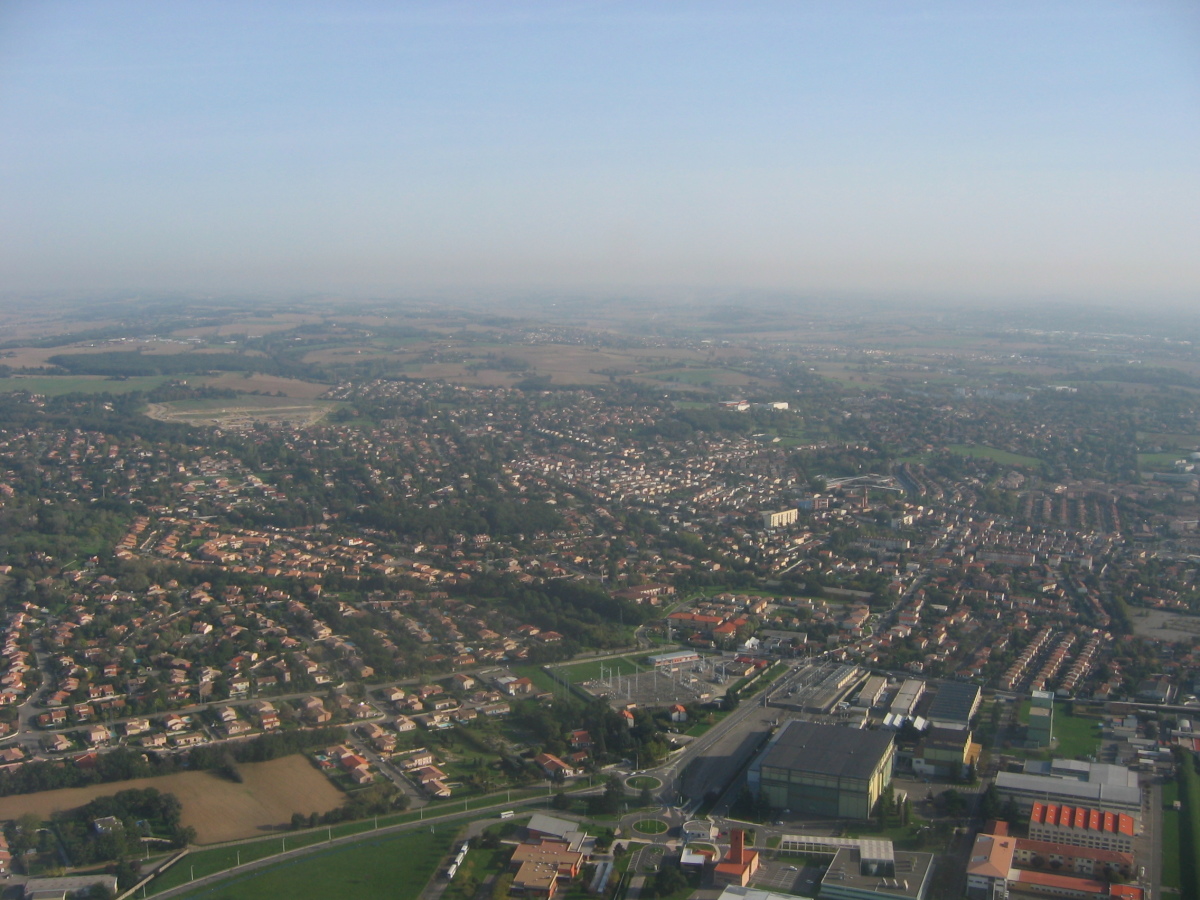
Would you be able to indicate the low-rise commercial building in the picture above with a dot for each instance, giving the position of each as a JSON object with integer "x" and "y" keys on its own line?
{"x": 895, "y": 876}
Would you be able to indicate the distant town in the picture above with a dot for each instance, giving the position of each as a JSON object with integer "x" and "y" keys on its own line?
{"x": 579, "y": 606}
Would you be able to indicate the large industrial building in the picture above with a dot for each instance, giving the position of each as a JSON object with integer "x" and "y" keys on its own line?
{"x": 1070, "y": 782}
{"x": 824, "y": 770}
{"x": 954, "y": 705}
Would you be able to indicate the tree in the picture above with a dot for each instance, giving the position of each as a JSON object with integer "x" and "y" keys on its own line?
{"x": 667, "y": 881}
{"x": 561, "y": 801}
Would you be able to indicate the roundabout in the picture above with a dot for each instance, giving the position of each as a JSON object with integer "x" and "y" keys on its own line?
{"x": 644, "y": 782}
{"x": 650, "y": 826}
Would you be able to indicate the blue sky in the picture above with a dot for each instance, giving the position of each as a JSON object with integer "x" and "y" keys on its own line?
{"x": 982, "y": 150}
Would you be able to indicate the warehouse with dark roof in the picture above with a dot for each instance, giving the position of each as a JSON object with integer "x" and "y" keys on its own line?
{"x": 823, "y": 770}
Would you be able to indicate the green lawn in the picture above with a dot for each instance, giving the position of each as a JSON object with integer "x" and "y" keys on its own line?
{"x": 711, "y": 719}
{"x": 697, "y": 376}
{"x": 644, "y": 781}
{"x": 1076, "y": 735}
{"x": 208, "y": 862}
{"x": 650, "y": 826}
{"x": 538, "y": 676}
{"x": 1159, "y": 462}
{"x": 590, "y": 670}
{"x": 1172, "y": 875}
{"x": 391, "y": 868}
{"x": 1000, "y": 456}
{"x": 480, "y": 863}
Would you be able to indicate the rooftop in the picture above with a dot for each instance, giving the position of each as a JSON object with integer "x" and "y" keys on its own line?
{"x": 992, "y": 856}
{"x": 849, "y": 870}
{"x": 827, "y": 749}
{"x": 955, "y": 702}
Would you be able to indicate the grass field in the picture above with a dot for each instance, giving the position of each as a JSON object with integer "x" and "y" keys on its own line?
{"x": 1000, "y": 456}
{"x": 1077, "y": 736}
{"x": 391, "y": 868}
{"x": 538, "y": 676}
{"x": 644, "y": 781}
{"x": 1175, "y": 440}
{"x": 698, "y": 728}
{"x": 200, "y": 863}
{"x": 1158, "y": 462}
{"x": 216, "y": 807}
{"x": 590, "y": 670}
{"x": 289, "y": 387}
{"x": 700, "y": 376}
{"x": 57, "y": 385}
{"x": 480, "y": 863}
{"x": 650, "y": 826}
{"x": 1172, "y": 875}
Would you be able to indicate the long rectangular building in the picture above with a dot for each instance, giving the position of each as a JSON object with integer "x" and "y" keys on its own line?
{"x": 906, "y": 698}
{"x": 1080, "y": 826}
{"x": 1026, "y": 790}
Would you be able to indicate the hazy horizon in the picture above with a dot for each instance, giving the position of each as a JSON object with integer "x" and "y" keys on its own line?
{"x": 1028, "y": 151}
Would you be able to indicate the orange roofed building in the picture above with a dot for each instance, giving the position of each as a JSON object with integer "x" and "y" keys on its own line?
{"x": 540, "y": 867}
{"x": 741, "y": 863}
{"x": 1082, "y": 827}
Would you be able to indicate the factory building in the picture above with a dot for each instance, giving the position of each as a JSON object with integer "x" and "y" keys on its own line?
{"x": 824, "y": 770}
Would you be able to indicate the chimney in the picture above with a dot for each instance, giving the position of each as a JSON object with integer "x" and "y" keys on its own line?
{"x": 737, "y": 842}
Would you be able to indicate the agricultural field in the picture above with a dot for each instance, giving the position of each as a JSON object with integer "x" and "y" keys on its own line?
{"x": 57, "y": 385}
{"x": 216, "y": 807}
{"x": 265, "y": 384}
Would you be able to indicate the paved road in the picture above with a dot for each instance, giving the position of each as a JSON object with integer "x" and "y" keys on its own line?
{"x": 1151, "y": 859}
{"x": 709, "y": 761}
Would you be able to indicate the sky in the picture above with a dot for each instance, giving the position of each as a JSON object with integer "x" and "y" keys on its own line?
{"x": 1037, "y": 149}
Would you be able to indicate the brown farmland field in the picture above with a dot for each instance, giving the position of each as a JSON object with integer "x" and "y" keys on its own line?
{"x": 217, "y": 808}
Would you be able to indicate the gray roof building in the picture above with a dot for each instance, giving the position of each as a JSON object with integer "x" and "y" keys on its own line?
{"x": 824, "y": 770}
